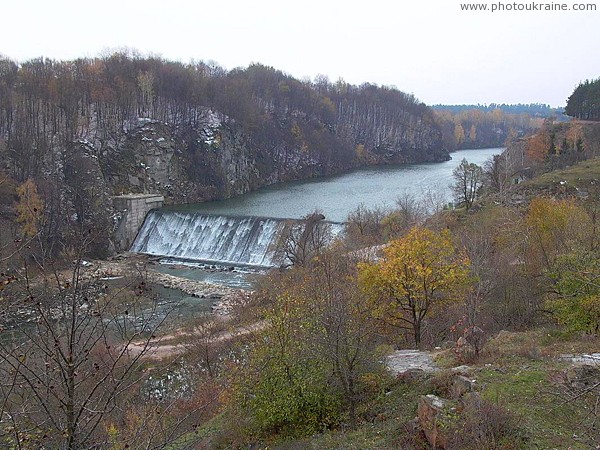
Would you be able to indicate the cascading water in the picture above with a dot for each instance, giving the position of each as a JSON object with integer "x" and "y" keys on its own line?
{"x": 220, "y": 239}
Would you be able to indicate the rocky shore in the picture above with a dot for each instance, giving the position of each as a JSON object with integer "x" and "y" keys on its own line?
{"x": 224, "y": 298}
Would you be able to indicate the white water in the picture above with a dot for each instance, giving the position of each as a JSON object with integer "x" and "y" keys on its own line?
{"x": 225, "y": 240}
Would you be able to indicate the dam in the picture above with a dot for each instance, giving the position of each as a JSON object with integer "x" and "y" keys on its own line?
{"x": 217, "y": 239}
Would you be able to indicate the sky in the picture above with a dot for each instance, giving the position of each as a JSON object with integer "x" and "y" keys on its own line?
{"x": 430, "y": 48}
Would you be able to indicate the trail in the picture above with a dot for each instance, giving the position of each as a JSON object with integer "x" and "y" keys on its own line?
{"x": 160, "y": 348}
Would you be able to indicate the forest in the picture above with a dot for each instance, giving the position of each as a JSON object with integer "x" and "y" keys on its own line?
{"x": 87, "y": 129}
{"x": 532, "y": 109}
{"x": 498, "y": 292}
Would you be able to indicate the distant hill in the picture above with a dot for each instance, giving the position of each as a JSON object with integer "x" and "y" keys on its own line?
{"x": 481, "y": 126}
{"x": 532, "y": 109}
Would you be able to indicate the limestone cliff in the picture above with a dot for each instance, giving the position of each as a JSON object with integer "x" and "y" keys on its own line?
{"x": 88, "y": 129}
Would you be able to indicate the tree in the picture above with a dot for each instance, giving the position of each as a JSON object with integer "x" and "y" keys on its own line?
{"x": 67, "y": 369}
{"x": 538, "y": 147}
{"x": 459, "y": 134}
{"x": 30, "y": 208}
{"x": 498, "y": 171}
{"x": 575, "y": 300}
{"x": 316, "y": 349}
{"x": 555, "y": 227}
{"x": 468, "y": 178}
{"x": 300, "y": 242}
{"x": 584, "y": 102}
{"x": 473, "y": 134}
{"x": 419, "y": 274}
{"x": 364, "y": 226}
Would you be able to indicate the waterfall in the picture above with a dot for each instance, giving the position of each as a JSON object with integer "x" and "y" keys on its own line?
{"x": 213, "y": 238}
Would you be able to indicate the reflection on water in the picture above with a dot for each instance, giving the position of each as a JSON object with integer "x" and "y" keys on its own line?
{"x": 337, "y": 196}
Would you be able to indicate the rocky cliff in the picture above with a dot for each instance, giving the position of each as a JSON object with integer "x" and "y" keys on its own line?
{"x": 87, "y": 129}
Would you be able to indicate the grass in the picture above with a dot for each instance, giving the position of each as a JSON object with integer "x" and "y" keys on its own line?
{"x": 384, "y": 427}
{"x": 516, "y": 373}
{"x": 580, "y": 175}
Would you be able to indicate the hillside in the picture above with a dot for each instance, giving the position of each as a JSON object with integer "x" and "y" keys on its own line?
{"x": 220, "y": 133}
{"x": 87, "y": 129}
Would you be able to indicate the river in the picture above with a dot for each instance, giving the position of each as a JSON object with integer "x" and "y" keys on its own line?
{"x": 336, "y": 196}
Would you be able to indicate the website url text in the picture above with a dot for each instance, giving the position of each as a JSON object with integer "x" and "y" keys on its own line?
{"x": 531, "y": 6}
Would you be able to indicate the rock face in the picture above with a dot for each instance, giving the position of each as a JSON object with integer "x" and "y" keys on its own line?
{"x": 218, "y": 158}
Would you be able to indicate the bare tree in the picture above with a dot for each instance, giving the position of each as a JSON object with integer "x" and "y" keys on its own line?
{"x": 302, "y": 241}
{"x": 468, "y": 178}
{"x": 364, "y": 225}
{"x": 66, "y": 366}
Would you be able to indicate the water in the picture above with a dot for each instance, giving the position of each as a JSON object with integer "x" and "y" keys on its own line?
{"x": 335, "y": 196}
{"x": 339, "y": 195}
{"x": 225, "y": 240}
{"x": 238, "y": 278}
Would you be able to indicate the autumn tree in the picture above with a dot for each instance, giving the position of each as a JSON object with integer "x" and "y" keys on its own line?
{"x": 419, "y": 274}
{"x": 473, "y": 133}
{"x": 30, "y": 209}
{"x": 307, "y": 370}
{"x": 459, "y": 134}
{"x": 468, "y": 179}
{"x": 538, "y": 147}
{"x": 555, "y": 227}
{"x": 575, "y": 296}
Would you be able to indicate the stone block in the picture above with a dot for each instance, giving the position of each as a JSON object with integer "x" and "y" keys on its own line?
{"x": 432, "y": 412}
{"x": 460, "y": 386}
{"x": 136, "y": 206}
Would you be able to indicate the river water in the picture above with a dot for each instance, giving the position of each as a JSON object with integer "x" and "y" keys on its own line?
{"x": 337, "y": 196}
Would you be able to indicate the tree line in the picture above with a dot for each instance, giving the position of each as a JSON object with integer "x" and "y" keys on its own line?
{"x": 45, "y": 104}
{"x": 484, "y": 127}
{"x": 584, "y": 102}
{"x": 532, "y": 109}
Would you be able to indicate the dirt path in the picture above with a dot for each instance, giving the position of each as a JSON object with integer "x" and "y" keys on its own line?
{"x": 162, "y": 347}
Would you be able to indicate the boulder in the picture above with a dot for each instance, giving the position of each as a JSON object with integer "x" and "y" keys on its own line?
{"x": 583, "y": 377}
{"x": 433, "y": 412}
{"x": 460, "y": 386}
{"x": 402, "y": 361}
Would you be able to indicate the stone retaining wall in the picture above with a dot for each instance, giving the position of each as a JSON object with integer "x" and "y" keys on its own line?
{"x": 133, "y": 209}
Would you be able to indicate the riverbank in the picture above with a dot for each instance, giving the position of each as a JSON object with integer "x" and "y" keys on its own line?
{"x": 134, "y": 265}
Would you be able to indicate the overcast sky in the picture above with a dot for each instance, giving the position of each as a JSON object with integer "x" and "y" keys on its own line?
{"x": 426, "y": 47}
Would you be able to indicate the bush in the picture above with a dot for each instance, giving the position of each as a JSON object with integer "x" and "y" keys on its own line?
{"x": 485, "y": 425}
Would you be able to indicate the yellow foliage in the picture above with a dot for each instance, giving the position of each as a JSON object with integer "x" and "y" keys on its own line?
{"x": 556, "y": 226}
{"x": 459, "y": 134}
{"x": 538, "y": 147}
{"x": 472, "y": 133}
{"x": 420, "y": 273}
{"x": 360, "y": 152}
{"x": 30, "y": 208}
